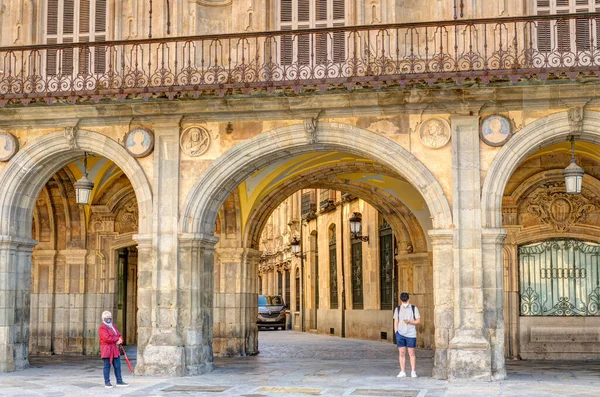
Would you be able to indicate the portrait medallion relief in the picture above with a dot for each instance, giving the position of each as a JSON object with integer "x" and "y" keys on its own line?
{"x": 9, "y": 145}
{"x": 495, "y": 130}
{"x": 195, "y": 141}
{"x": 435, "y": 133}
{"x": 139, "y": 142}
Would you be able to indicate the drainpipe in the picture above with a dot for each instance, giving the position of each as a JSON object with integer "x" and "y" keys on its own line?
{"x": 342, "y": 263}
{"x": 303, "y": 313}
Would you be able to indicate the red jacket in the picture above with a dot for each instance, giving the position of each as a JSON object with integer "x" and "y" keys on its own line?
{"x": 108, "y": 342}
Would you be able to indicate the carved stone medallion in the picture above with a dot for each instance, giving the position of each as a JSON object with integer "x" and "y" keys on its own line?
{"x": 559, "y": 209}
{"x": 435, "y": 133}
{"x": 495, "y": 130}
{"x": 195, "y": 141}
{"x": 139, "y": 142}
{"x": 9, "y": 145}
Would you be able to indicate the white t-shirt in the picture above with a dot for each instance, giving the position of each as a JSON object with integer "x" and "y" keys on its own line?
{"x": 406, "y": 313}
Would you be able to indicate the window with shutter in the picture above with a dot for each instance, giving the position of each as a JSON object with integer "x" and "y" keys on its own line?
{"x": 311, "y": 49}
{"x": 566, "y": 36}
{"x": 75, "y": 21}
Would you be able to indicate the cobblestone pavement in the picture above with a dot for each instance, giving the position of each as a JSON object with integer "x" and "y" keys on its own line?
{"x": 301, "y": 364}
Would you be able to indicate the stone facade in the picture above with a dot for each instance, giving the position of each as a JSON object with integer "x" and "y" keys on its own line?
{"x": 211, "y": 205}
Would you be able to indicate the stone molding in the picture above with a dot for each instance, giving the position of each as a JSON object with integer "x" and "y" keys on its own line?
{"x": 543, "y": 132}
{"x": 199, "y": 210}
{"x": 34, "y": 164}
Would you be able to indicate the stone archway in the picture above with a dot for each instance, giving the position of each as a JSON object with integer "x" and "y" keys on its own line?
{"x": 500, "y": 256}
{"x": 21, "y": 180}
{"x": 199, "y": 211}
{"x": 541, "y": 133}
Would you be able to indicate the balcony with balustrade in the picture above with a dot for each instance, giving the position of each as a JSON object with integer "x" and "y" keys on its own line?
{"x": 482, "y": 51}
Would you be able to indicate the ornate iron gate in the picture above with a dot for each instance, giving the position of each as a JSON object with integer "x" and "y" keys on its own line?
{"x": 560, "y": 278}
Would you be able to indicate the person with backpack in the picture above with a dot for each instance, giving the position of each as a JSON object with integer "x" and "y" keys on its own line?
{"x": 406, "y": 319}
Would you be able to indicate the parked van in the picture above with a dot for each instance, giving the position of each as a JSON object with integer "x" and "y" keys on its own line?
{"x": 271, "y": 312}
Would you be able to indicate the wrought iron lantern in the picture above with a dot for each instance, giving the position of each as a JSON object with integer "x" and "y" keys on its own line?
{"x": 573, "y": 173}
{"x": 295, "y": 244}
{"x": 356, "y": 227}
{"x": 83, "y": 187}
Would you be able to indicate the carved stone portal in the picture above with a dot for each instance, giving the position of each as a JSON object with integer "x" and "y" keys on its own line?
{"x": 559, "y": 209}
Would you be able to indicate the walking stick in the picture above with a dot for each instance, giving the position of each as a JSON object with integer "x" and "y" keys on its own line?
{"x": 126, "y": 359}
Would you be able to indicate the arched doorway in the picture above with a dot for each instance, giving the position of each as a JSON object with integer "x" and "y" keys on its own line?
{"x": 548, "y": 257}
{"x": 200, "y": 209}
{"x": 23, "y": 178}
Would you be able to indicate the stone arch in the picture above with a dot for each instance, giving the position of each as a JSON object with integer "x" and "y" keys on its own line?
{"x": 200, "y": 208}
{"x": 539, "y": 134}
{"x": 27, "y": 172}
{"x": 22, "y": 180}
{"x": 405, "y": 225}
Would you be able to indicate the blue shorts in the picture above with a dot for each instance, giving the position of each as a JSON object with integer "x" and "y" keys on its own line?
{"x": 403, "y": 341}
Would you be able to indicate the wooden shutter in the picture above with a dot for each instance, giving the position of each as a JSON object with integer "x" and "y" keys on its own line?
{"x": 100, "y": 17}
{"x": 338, "y": 50}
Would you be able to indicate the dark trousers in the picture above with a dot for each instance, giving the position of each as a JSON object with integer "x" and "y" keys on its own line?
{"x": 116, "y": 362}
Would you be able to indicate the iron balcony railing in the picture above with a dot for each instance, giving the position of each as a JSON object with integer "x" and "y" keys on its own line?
{"x": 343, "y": 57}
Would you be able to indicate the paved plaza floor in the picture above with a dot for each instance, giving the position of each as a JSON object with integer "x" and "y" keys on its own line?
{"x": 301, "y": 364}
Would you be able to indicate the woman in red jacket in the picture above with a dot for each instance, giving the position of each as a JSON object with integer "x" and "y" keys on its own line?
{"x": 110, "y": 340}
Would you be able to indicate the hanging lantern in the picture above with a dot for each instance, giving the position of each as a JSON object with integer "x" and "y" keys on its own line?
{"x": 295, "y": 245}
{"x": 355, "y": 223}
{"x": 83, "y": 187}
{"x": 573, "y": 173}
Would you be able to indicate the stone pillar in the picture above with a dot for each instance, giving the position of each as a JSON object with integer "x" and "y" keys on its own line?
{"x": 144, "y": 297}
{"x": 162, "y": 352}
{"x": 442, "y": 242}
{"x": 511, "y": 297}
{"x": 236, "y": 304}
{"x": 469, "y": 351}
{"x": 493, "y": 297}
{"x": 196, "y": 279}
{"x": 15, "y": 292}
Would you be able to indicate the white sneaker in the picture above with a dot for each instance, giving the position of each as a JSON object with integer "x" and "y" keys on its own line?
{"x": 402, "y": 374}
{"x": 413, "y": 374}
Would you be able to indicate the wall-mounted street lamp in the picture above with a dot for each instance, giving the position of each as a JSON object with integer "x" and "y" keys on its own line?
{"x": 356, "y": 227}
{"x": 295, "y": 244}
{"x": 573, "y": 173}
{"x": 83, "y": 187}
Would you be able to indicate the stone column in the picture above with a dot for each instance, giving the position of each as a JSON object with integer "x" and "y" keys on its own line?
{"x": 236, "y": 304}
{"x": 493, "y": 297}
{"x": 469, "y": 351}
{"x": 162, "y": 353}
{"x": 511, "y": 297}
{"x": 442, "y": 242}
{"x": 15, "y": 292}
{"x": 196, "y": 278}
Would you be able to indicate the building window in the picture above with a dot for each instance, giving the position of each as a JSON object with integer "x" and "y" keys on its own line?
{"x": 279, "y": 283}
{"x": 333, "y": 282}
{"x": 308, "y": 205}
{"x": 297, "y": 290}
{"x": 326, "y": 200}
{"x": 560, "y": 278}
{"x": 386, "y": 263}
{"x": 260, "y": 290}
{"x": 357, "y": 275}
{"x": 75, "y": 21}
{"x": 566, "y": 36}
{"x": 287, "y": 289}
{"x": 307, "y": 14}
